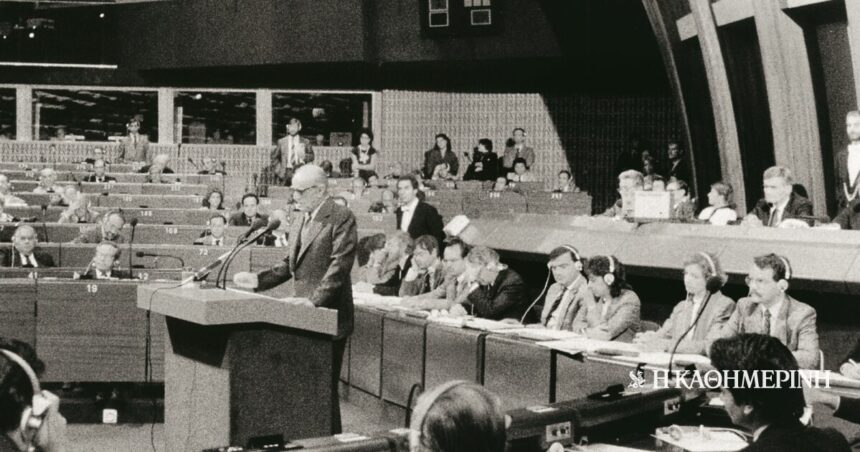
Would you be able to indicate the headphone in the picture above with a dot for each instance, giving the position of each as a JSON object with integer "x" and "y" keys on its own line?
{"x": 577, "y": 259}
{"x": 420, "y": 413}
{"x": 787, "y": 277}
{"x": 715, "y": 280}
{"x": 609, "y": 278}
{"x": 33, "y": 415}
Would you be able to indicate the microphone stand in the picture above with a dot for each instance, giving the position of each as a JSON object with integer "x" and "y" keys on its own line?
{"x": 130, "y": 242}
{"x": 244, "y": 243}
{"x": 690, "y": 328}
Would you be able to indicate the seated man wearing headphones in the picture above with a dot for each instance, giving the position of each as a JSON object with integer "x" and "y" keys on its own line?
{"x": 769, "y": 310}
{"x": 569, "y": 294}
{"x": 696, "y": 321}
{"x": 29, "y": 417}
{"x": 614, "y": 316}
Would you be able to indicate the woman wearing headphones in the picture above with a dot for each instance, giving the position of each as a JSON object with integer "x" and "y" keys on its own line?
{"x": 696, "y": 321}
{"x": 614, "y": 316}
{"x": 457, "y": 416}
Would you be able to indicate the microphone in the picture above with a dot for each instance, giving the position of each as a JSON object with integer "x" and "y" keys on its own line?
{"x": 257, "y": 224}
{"x": 131, "y": 240}
{"x": 44, "y": 226}
{"x": 191, "y": 161}
{"x": 712, "y": 285}
{"x": 243, "y": 242}
{"x": 156, "y": 255}
{"x": 201, "y": 274}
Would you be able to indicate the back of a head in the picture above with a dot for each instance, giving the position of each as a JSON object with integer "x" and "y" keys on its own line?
{"x": 309, "y": 175}
{"x": 749, "y": 353}
{"x": 16, "y": 391}
{"x": 458, "y": 416}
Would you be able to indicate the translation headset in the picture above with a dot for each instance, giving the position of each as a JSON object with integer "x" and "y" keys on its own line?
{"x": 33, "y": 415}
{"x": 715, "y": 281}
{"x": 787, "y": 276}
{"x": 577, "y": 264}
{"x": 609, "y": 278}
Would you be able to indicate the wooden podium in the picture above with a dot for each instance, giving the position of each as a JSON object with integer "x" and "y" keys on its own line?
{"x": 240, "y": 365}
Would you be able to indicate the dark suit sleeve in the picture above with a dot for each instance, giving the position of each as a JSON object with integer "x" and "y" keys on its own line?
{"x": 511, "y": 293}
{"x": 233, "y": 221}
{"x": 4, "y": 258}
{"x": 274, "y": 276}
{"x": 344, "y": 239}
{"x": 46, "y": 260}
{"x": 762, "y": 211}
{"x": 843, "y": 219}
{"x": 849, "y": 409}
{"x": 434, "y": 224}
{"x": 855, "y": 353}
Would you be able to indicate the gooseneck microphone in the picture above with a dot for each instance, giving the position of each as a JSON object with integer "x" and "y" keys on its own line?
{"x": 712, "y": 285}
{"x": 44, "y": 226}
{"x": 130, "y": 242}
{"x": 243, "y": 242}
{"x": 157, "y": 255}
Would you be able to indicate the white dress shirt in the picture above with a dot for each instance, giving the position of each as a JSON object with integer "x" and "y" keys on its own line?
{"x": 556, "y": 317}
{"x": 853, "y": 162}
{"x": 29, "y": 257}
{"x": 408, "y": 212}
{"x": 778, "y": 212}
{"x": 294, "y": 143}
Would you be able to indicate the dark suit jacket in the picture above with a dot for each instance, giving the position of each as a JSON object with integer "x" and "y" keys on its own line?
{"x": 505, "y": 299}
{"x": 92, "y": 178}
{"x": 239, "y": 219}
{"x": 795, "y": 437}
{"x": 434, "y": 157}
{"x": 797, "y": 205}
{"x": 425, "y": 221}
{"x": 490, "y": 167}
{"x": 12, "y": 258}
{"x": 321, "y": 268}
{"x": 849, "y": 409}
{"x": 281, "y": 150}
{"x": 681, "y": 171}
{"x": 849, "y": 217}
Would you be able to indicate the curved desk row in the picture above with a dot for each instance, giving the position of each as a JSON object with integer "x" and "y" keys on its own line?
{"x": 131, "y": 178}
{"x": 124, "y": 188}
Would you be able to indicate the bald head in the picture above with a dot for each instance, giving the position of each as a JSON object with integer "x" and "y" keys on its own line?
{"x": 309, "y": 176}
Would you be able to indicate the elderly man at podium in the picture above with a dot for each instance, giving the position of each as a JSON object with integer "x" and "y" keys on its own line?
{"x": 320, "y": 259}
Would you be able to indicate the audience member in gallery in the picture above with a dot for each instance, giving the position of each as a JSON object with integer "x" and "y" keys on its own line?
{"x": 134, "y": 145}
{"x": 455, "y": 286}
{"x": 677, "y": 167}
{"x": 6, "y": 217}
{"x": 516, "y": 149}
{"x": 249, "y": 213}
{"x": 441, "y": 153}
{"x": 721, "y": 207}
{"x": 426, "y": 273}
{"x": 373, "y": 180}
{"x": 565, "y": 183}
{"x": 697, "y": 320}
{"x": 214, "y": 200}
{"x": 495, "y": 291}
{"x": 291, "y": 152}
{"x": 780, "y": 203}
{"x": 107, "y": 230}
{"x": 162, "y": 160}
{"x": 214, "y": 234}
{"x": 848, "y": 162}
{"x": 769, "y": 310}
{"x": 25, "y": 251}
{"x": 614, "y": 315}
{"x": 387, "y": 203}
{"x": 364, "y": 156}
{"x": 279, "y": 237}
{"x": 631, "y": 157}
{"x": 772, "y": 414}
{"x": 521, "y": 172}
{"x": 629, "y": 182}
{"x": 501, "y": 185}
{"x": 442, "y": 173}
{"x": 98, "y": 175}
{"x": 483, "y": 163}
{"x": 415, "y": 216}
{"x": 22, "y": 399}
{"x": 683, "y": 210}
{"x": 6, "y": 196}
{"x": 47, "y": 182}
{"x": 458, "y": 416}
{"x": 568, "y": 296}
{"x": 104, "y": 264}
{"x": 387, "y": 267}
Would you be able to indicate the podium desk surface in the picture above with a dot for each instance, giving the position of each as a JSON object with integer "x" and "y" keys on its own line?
{"x": 211, "y": 306}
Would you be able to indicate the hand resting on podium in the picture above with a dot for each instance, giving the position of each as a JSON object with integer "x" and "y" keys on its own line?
{"x": 248, "y": 280}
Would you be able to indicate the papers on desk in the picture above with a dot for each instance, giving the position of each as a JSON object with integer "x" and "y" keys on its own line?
{"x": 661, "y": 359}
{"x": 541, "y": 334}
{"x": 376, "y": 301}
{"x": 712, "y": 441}
{"x": 474, "y": 323}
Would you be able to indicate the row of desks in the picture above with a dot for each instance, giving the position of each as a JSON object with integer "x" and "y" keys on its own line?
{"x": 36, "y": 166}
{"x": 125, "y": 188}
{"x": 131, "y": 178}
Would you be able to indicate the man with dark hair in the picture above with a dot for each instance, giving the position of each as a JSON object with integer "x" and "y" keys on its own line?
{"x": 134, "y": 145}
{"x": 677, "y": 167}
{"x": 21, "y": 399}
{"x": 291, "y": 152}
{"x": 771, "y": 414}
{"x": 780, "y": 203}
{"x": 388, "y": 266}
{"x": 569, "y": 293}
{"x": 769, "y": 310}
{"x": 415, "y": 216}
{"x": 214, "y": 235}
{"x": 566, "y": 183}
{"x": 516, "y": 148}
{"x": 454, "y": 284}
{"x": 250, "y": 211}
{"x": 108, "y": 230}
{"x": 426, "y": 274}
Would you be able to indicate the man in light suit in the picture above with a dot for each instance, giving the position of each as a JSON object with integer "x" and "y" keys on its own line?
{"x": 291, "y": 152}
{"x": 415, "y": 216}
{"x": 24, "y": 252}
{"x": 517, "y": 148}
{"x": 569, "y": 294}
{"x": 134, "y": 145}
{"x": 768, "y": 310}
{"x": 319, "y": 262}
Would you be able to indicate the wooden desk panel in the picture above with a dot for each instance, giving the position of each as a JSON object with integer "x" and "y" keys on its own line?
{"x": 115, "y": 167}
{"x": 18, "y": 310}
{"x": 402, "y": 357}
{"x": 148, "y": 201}
{"x": 365, "y": 363}
{"x": 453, "y": 354}
{"x": 517, "y": 371}
{"x": 194, "y": 256}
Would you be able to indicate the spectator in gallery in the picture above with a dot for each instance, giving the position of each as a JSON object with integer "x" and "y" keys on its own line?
{"x": 373, "y": 180}
{"x": 395, "y": 170}
{"x": 59, "y": 134}
{"x": 24, "y": 251}
{"x": 79, "y": 210}
{"x": 134, "y": 145}
{"x": 107, "y": 230}
{"x": 327, "y": 168}
{"x": 649, "y": 172}
{"x": 214, "y": 200}
{"x": 521, "y": 172}
{"x": 97, "y": 154}
{"x": 98, "y": 175}
{"x": 629, "y": 182}
{"x": 565, "y": 183}
{"x": 501, "y": 185}
{"x": 365, "y": 156}
{"x": 47, "y": 182}
{"x": 6, "y": 196}
{"x": 516, "y": 149}
{"x": 442, "y": 173}
{"x": 780, "y": 203}
{"x": 291, "y": 152}
{"x": 214, "y": 234}
{"x": 387, "y": 203}
{"x": 345, "y": 167}
{"x": 441, "y": 152}
{"x": 250, "y": 211}
{"x": 357, "y": 191}
{"x": 721, "y": 208}
{"x": 211, "y": 167}
{"x": 684, "y": 210}
{"x": 162, "y": 160}
{"x": 483, "y": 163}
{"x": 677, "y": 167}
